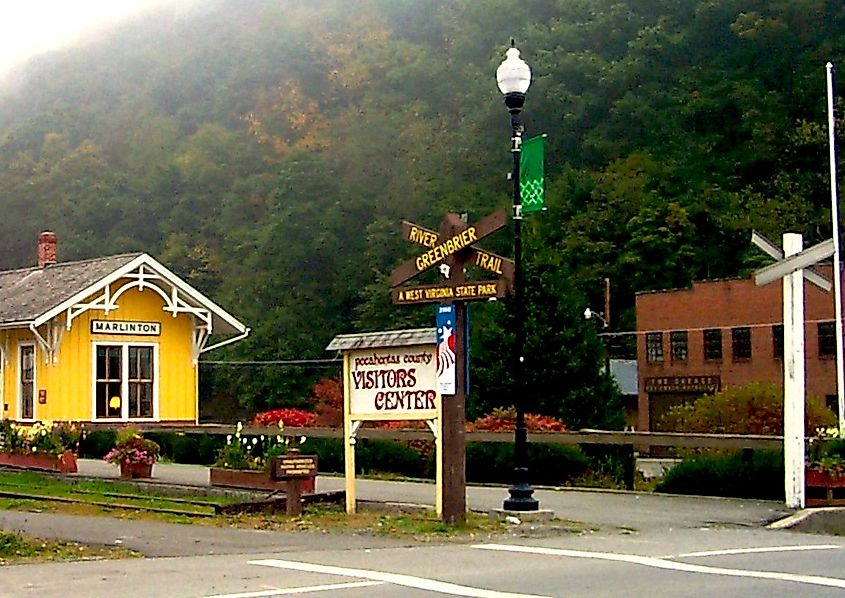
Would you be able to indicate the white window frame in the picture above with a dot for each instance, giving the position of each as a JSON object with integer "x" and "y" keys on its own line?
{"x": 124, "y": 381}
{"x": 19, "y": 411}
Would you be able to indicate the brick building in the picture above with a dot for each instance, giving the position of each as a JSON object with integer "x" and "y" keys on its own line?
{"x": 725, "y": 333}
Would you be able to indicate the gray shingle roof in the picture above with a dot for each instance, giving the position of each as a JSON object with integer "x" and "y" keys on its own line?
{"x": 26, "y": 294}
{"x": 389, "y": 338}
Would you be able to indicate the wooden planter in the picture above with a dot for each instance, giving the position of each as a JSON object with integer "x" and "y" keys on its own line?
{"x": 64, "y": 463}
{"x": 831, "y": 487}
{"x": 254, "y": 480}
{"x": 136, "y": 470}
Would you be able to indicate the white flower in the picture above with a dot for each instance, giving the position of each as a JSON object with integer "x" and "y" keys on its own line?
{"x": 239, "y": 427}
{"x": 228, "y": 439}
{"x": 302, "y": 440}
{"x": 254, "y": 441}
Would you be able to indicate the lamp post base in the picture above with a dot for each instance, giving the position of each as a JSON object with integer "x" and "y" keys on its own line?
{"x": 521, "y": 493}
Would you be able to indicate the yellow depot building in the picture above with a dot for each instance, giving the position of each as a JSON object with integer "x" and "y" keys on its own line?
{"x": 111, "y": 339}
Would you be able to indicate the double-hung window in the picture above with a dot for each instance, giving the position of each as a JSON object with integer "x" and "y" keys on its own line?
{"x": 125, "y": 381}
{"x": 26, "y": 382}
{"x": 654, "y": 347}
{"x": 713, "y": 344}
{"x": 678, "y": 344}
{"x": 741, "y": 343}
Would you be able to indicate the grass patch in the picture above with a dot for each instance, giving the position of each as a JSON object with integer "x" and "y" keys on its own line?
{"x": 419, "y": 526}
{"x": 126, "y": 501}
{"x": 35, "y": 488}
{"x": 16, "y": 548}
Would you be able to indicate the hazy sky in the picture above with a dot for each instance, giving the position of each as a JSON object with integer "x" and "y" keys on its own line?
{"x": 29, "y": 27}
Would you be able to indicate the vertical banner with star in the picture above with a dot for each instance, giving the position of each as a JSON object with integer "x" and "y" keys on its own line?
{"x": 446, "y": 373}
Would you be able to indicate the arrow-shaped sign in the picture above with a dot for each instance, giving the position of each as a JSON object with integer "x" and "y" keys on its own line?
{"x": 463, "y": 237}
{"x": 485, "y": 260}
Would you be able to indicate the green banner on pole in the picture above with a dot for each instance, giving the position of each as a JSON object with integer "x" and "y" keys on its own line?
{"x": 531, "y": 175}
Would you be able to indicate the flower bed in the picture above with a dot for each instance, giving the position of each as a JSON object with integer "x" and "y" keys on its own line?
{"x": 824, "y": 474}
{"x": 824, "y": 488}
{"x": 64, "y": 463}
{"x": 41, "y": 445}
{"x": 253, "y": 480}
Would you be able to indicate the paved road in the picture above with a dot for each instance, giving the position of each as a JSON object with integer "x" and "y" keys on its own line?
{"x": 632, "y": 544}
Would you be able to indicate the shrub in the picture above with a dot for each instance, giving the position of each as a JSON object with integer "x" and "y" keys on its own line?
{"x": 504, "y": 419}
{"x": 550, "y": 464}
{"x": 327, "y": 399}
{"x": 96, "y": 443}
{"x": 329, "y": 453}
{"x": 199, "y": 449}
{"x": 389, "y": 457}
{"x": 755, "y": 408}
{"x": 741, "y": 475}
{"x": 296, "y": 418}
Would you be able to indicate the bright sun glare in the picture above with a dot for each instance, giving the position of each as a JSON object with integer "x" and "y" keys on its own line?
{"x": 29, "y": 27}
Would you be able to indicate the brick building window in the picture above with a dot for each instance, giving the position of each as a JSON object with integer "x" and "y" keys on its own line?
{"x": 713, "y": 344}
{"x": 777, "y": 341}
{"x": 678, "y": 345}
{"x": 741, "y": 343}
{"x": 654, "y": 347}
{"x": 827, "y": 339}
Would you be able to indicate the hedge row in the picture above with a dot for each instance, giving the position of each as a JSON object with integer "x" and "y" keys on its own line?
{"x": 741, "y": 475}
{"x": 485, "y": 462}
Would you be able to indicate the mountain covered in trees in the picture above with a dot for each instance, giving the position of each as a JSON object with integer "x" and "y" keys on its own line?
{"x": 268, "y": 150}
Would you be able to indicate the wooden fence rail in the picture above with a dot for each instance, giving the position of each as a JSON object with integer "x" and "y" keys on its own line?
{"x": 672, "y": 439}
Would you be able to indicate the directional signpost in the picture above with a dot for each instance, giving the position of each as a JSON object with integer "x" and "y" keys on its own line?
{"x": 453, "y": 248}
{"x": 792, "y": 268}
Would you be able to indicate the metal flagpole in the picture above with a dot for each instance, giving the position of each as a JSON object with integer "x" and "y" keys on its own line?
{"x": 837, "y": 277}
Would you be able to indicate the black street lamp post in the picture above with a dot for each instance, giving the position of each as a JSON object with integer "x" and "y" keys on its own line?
{"x": 514, "y": 78}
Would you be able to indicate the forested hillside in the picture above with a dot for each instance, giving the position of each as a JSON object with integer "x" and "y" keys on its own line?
{"x": 268, "y": 150}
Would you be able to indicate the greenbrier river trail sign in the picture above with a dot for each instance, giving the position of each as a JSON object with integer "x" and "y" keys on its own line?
{"x": 457, "y": 250}
{"x": 452, "y": 248}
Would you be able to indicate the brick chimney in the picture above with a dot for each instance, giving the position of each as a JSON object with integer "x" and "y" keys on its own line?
{"x": 47, "y": 253}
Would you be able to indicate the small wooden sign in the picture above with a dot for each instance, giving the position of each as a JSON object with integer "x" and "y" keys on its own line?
{"x": 288, "y": 467}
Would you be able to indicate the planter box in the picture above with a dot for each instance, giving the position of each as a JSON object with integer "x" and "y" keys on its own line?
{"x": 253, "y": 480}
{"x": 64, "y": 463}
{"x": 822, "y": 482}
{"x": 136, "y": 470}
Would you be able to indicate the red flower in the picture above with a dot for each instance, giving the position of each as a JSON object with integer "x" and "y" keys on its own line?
{"x": 295, "y": 418}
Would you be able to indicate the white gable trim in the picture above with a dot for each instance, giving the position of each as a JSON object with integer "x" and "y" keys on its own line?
{"x": 145, "y": 267}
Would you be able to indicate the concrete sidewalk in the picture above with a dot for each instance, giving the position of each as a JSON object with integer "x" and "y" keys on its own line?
{"x": 617, "y": 509}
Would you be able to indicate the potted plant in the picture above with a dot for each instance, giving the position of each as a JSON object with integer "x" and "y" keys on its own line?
{"x": 41, "y": 445}
{"x": 134, "y": 454}
{"x": 825, "y": 464}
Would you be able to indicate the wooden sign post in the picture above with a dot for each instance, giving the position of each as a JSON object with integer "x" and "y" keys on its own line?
{"x": 293, "y": 468}
{"x": 454, "y": 246}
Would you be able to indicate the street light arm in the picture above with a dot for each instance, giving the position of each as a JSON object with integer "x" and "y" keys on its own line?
{"x": 590, "y": 314}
